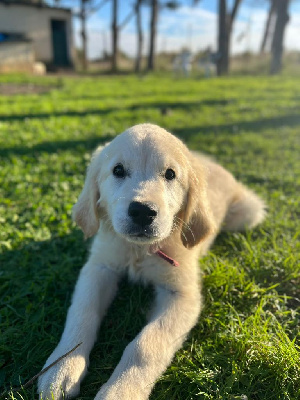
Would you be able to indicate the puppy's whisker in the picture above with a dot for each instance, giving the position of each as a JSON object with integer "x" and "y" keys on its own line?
{"x": 185, "y": 224}
{"x": 187, "y": 227}
{"x": 184, "y": 235}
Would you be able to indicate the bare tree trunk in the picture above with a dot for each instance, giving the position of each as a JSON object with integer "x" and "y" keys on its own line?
{"x": 153, "y": 31}
{"x": 277, "y": 43}
{"x": 223, "y": 51}
{"x": 268, "y": 26}
{"x": 114, "y": 27}
{"x": 139, "y": 36}
{"x": 226, "y": 21}
{"x": 83, "y": 35}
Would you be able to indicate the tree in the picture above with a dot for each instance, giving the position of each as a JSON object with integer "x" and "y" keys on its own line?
{"x": 136, "y": 11}
{"x": 155, "y": 7}
{"x": 86, "y": 9}
{"x": 140, "y": 37}
{"x": 83, "y": 34}
{"x": 269, "y": 26}
{"x": 277, "y": 42}
{"x": 153, "y": 31}
{"x": 226, "y": 21}
{"x": 115, "y": 35}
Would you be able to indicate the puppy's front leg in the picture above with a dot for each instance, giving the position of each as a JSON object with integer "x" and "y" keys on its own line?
{"x": 94, "y": 292}
{"x": 149, "y": 354}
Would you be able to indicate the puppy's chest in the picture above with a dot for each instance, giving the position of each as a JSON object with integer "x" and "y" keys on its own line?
{"x": 146, "y": 268}
{"x": 124, "y": 258}
{"x": 137, "y": 265}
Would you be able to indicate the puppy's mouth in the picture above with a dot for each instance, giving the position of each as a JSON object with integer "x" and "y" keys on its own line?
{"x": 141, "y": 235}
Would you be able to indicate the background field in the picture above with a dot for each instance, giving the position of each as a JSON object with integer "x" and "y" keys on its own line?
{"x": 247, "y": 340}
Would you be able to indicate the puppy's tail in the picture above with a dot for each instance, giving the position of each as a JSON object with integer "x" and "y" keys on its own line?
{"x": 245, "y": 211}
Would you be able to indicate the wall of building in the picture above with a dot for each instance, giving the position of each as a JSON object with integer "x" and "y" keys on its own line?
{"x": 35, "y": 23}
{"x": 16, "y": 56}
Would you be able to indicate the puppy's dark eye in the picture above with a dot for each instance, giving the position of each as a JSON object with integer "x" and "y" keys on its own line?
{"x": 119, "y": 171}
{"x": 170, "y": 174}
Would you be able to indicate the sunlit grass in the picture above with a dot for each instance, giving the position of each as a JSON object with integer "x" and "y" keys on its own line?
{"x": 247, "y": 340}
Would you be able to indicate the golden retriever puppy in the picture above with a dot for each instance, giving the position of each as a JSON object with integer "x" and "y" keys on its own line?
{"x": 154, "y": 208}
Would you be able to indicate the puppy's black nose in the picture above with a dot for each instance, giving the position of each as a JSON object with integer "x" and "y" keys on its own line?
{"x": 141, "y": 214}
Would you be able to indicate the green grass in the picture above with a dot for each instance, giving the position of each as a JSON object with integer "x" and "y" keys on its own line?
{"x": 247, "y": 340}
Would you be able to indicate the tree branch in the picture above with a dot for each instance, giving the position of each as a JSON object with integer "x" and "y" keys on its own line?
{"x": 127, "y": 19}
{"x": 97, "y": 7}
{"x": 234, "y": 12}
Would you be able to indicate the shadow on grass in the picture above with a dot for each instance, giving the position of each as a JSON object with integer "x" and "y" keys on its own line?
{"x": 99, "y": 111}
{"x": 239, "y": 127}
{"x": 289, "y": 119}
{"x": 37, "y": 281}
{"x": 185, "y": 105}
{"x": 33, "y": 279}
{"x": 54, "y": 114}
{"x": 185, "y": 133}
{"x": 55, "y": 146}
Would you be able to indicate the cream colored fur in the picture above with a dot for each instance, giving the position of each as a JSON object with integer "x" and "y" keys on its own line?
{"x": 192, "y": 208}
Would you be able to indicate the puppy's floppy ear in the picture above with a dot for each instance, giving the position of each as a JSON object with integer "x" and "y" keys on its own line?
{"x": 198, "y": 220}
{"x": 85, "y": 212}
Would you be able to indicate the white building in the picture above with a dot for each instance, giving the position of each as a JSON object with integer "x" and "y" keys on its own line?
{"x": 49, "y": 29}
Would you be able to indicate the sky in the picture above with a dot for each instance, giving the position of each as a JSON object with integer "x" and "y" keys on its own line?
{"x": 189, "y": 26}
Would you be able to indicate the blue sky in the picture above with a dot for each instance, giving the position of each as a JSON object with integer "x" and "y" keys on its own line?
{"x": 193, "y": 27}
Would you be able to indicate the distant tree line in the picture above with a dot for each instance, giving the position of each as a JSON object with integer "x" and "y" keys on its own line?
{"x": 276, "y": 22}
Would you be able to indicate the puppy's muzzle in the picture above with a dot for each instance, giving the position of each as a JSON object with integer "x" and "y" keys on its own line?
{"x": 142, "y": 214}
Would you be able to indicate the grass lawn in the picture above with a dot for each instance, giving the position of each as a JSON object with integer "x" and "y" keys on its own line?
{"x": 246, "y": 344}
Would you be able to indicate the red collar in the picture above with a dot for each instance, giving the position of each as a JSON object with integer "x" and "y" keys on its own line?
{"x": 167, "y": 258}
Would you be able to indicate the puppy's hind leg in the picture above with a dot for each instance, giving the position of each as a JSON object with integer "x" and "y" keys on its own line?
{"x": 245, "y": 211}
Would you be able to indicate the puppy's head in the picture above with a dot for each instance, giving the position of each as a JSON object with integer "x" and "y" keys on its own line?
{"x": 144, "y": 184}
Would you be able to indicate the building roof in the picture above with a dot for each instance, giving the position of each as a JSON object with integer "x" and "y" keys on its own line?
{"x": 33, "y": 3}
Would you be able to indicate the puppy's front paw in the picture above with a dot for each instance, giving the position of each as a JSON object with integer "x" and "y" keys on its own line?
{"x": 122, "y": 391}
{"x": 63, "y": 377}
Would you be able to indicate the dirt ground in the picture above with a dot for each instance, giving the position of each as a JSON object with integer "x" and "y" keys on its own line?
{"x": 9, "y": 89}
